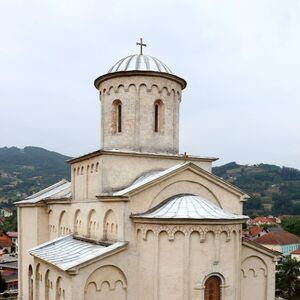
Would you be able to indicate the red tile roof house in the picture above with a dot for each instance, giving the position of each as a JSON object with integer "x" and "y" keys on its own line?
{"x": 296, "y": 254}
{"x": 262, "y": 221}
{"x": 256, "y": 231}
{"x": 281, "y": 241}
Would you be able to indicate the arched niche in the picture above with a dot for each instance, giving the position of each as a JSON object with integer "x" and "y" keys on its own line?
{"x": 58, "y": 289}
{"x": 254, "y": 272}
{"x": 107, "y": 282}
{"x": 181, "y": 187}
{"x": 47, "y": 285}
{"x": 110, "y": 226}
{"x": 30, "y": 282}
{"x": 93, "y": 224}
{"x": 158, "y": 116}
{"x": 117, "y": 116}
{"x": 63, "y": 226}
{"x": 212, "y": 288}
{"x": 37, "y": 281}
{"x": 77, "y": 223}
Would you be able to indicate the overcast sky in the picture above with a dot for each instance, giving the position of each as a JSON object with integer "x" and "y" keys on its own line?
{"x": 241, "y": 60}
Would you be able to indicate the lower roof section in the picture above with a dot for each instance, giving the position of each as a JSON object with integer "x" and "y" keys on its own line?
{"x": 69, "y": 252}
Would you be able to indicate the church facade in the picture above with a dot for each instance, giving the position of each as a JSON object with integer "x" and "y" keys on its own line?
{"x": 139, "y": 221}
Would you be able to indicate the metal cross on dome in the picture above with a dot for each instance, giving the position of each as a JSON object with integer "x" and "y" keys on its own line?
{"x": 141, "y": 45}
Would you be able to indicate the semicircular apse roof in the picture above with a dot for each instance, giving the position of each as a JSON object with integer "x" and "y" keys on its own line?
{"x": 187, "y": 206}
{"x": 140, "y": 62}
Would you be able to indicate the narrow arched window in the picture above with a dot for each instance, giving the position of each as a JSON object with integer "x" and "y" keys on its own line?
{"x": 119, "y": 111}
{"x": 117, "y": 116}
{"x": 156, "y": 110}
{"x": 158, "y": 116}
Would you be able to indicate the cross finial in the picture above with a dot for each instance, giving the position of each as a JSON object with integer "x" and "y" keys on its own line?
{"x": 141, "y": 45}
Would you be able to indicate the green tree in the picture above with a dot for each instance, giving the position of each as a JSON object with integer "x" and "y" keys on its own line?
{"x": 291, "y": 224}
{"x": 287, "y": 281}
{"x": 2, "y": 284}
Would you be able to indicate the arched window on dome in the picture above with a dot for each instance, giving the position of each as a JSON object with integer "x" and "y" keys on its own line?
{"x": 117, "y": 116}
{"x": 158, "y": 115}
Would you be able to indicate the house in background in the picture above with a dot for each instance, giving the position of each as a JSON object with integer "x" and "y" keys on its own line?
{"x": 296, "y": 254}
{"x": 6, "y": 212}
{"x": 5, "y": 243}
{"x": 281, "y": 241}
{"x": 14, "y": 238}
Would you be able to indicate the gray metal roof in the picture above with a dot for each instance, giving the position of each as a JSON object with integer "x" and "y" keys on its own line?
{"x": 186, "y": 206}
{"x": 147, "y": 178}
{"x": 68, "y": 252}
{"x": 59, "y": 190}
{"x": 140, "y": 62}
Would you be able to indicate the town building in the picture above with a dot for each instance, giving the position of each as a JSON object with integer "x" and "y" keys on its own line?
{"x": 280, "y": 240}
{"x": 139, "y": 220}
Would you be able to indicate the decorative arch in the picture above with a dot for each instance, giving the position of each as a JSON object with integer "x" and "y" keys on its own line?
{"x": 30, "y": 282}
{"x": 47, "y": 284}
{"x": 106, "y": 282}
{"x": 110, "y": 226}
{"x": 193, "y": 188}
{"x": 38, "y": 277}
{"x": 77, "y": 223}
{"x": 117, "y": 116}
{"x": 212, "y": 288}
{"x": 92, "y": 224}
{"x": 63, "y": 226}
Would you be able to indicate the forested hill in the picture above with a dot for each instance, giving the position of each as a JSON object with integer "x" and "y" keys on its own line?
{"x": 28, "y": 170}
{"x": 273, "y": 189}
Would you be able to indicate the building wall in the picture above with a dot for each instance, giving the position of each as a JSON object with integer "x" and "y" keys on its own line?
{"x": 33, "y": 231}
{"x": 177, "y": 260}
{"x": 138, "y": 95}
{"x": 114, "y": 172}
{"x": 258, "y": 275}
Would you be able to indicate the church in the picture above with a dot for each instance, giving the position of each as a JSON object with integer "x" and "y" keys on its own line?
{"x": 139, "y": 220}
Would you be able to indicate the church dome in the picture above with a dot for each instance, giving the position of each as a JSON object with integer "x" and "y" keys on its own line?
{"x": 140, "y": 62}
{"x": 187, "y": 206}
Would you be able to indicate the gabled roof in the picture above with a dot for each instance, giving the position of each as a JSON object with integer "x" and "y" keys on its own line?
{"x": 296, "y": 252}
{"x": 68, "y": 252}
{"x": 186, "y": 206}
{"x": 278, "y": 238}
{"x": 59, "y": 190}
{"x": 258, "y": 247}
{"x": 255, "y": 230}
{"x": 145, "y": 180}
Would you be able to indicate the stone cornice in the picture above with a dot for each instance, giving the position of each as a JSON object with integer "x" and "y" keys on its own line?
{"x": 100, "y": 152}
{"x": 188, "y": 229}
{"x": 107, "y": 76}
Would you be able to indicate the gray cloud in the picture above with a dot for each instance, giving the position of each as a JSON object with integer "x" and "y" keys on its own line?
{"x": 240, "y": 58}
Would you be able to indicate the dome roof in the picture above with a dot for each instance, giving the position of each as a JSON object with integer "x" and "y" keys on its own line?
{"x": 140, "y": 62}
{"x": 186, "y": 206}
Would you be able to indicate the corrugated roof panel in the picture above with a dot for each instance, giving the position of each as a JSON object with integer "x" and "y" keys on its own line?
{"x": 68, "y": 252}
{"x": 140, "y": 62}
{"x": 186, "y": 206}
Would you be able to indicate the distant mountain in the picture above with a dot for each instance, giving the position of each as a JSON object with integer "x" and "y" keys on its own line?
{"x": 28, "y": 170}
{"x": 273, "y": 189}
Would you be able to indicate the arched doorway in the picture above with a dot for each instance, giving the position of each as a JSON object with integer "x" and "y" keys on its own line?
{"x": 212, "y": 288}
